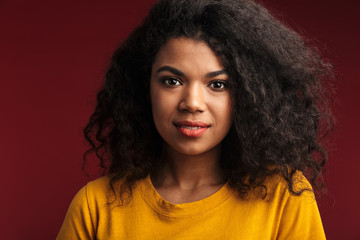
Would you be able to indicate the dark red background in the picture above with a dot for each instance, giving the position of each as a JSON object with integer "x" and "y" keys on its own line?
{"x": 53, "y": 55}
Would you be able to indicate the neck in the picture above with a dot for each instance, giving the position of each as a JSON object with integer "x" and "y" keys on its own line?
{"x": 190, "y": 172}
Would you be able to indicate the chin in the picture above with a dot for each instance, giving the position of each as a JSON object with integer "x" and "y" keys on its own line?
{"x": 191, "y": 149}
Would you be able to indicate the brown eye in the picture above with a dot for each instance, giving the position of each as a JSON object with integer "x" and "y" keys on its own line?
{"x": 218, "y": 85}
{"x": 171, "y": 81}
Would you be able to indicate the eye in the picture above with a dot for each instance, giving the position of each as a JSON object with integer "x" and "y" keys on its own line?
{"x": 218, "y": 85}
{"x": 171, "y": 81}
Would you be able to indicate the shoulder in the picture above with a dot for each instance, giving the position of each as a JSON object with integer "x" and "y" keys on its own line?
{"x": 98, "y": 188}
{"x": 94, "y": 194}
{"x": 277, "y": 186}
{"x": 80, "y": 222}
{"x": 82, "y": 216}
{"x": 93, "y": 191}
{"x": 290, "y": 204}
{"x": 299, "y": 217}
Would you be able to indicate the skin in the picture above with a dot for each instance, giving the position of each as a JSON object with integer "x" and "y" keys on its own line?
{"x": 188, "y": 83}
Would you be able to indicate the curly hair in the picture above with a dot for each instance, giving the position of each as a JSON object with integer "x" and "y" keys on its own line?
{"x": 279, "y": 90}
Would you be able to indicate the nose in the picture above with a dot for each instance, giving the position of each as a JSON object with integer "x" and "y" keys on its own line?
{"x": 193, "y": 99}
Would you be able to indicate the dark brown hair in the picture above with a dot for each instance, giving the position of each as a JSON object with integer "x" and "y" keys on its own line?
{"x": 279, "y": 88}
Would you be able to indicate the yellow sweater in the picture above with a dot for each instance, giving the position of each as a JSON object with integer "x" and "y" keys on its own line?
{"x": 222, "y": 215}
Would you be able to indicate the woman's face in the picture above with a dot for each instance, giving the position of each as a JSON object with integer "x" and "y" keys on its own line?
{"x": 189, "y": 95}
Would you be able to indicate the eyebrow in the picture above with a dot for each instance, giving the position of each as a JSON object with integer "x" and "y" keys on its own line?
{"x": 216, "y": 73}
{"x": 171, "y": 69}
{"x": 181, "y": 74}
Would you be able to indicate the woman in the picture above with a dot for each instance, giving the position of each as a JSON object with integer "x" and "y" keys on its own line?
{"x": 209, "y": 118}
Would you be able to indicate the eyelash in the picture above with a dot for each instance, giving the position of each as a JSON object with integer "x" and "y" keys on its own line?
{"x": 223, "y": 87}
{"x": 166, "y": 82}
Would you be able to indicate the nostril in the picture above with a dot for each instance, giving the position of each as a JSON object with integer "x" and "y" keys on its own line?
{"x": 192, "y": 106}
{"x": 193, "y": 101}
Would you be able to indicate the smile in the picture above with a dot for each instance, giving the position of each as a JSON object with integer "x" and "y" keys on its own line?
{"x": 192, "y": 129}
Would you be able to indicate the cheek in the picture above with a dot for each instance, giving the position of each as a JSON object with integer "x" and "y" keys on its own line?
{"x": 159, "y": 113}
{"x": 223, "y": 109}
{"x": 162, "y": 105}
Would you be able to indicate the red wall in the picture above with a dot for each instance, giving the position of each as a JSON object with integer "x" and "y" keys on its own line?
{"x": 53, "y": 55}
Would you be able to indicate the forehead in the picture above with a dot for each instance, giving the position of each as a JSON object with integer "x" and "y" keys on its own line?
{"x": 187, "y": 53}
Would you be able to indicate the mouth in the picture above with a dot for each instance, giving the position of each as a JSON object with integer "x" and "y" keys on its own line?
{"x": 192, "y": 129}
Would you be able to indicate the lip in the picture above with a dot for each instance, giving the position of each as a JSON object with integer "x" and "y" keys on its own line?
{"x": 192, "y": 129}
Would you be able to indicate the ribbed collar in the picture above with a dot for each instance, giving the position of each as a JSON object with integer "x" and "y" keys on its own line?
{"x": 155, "y": 201}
